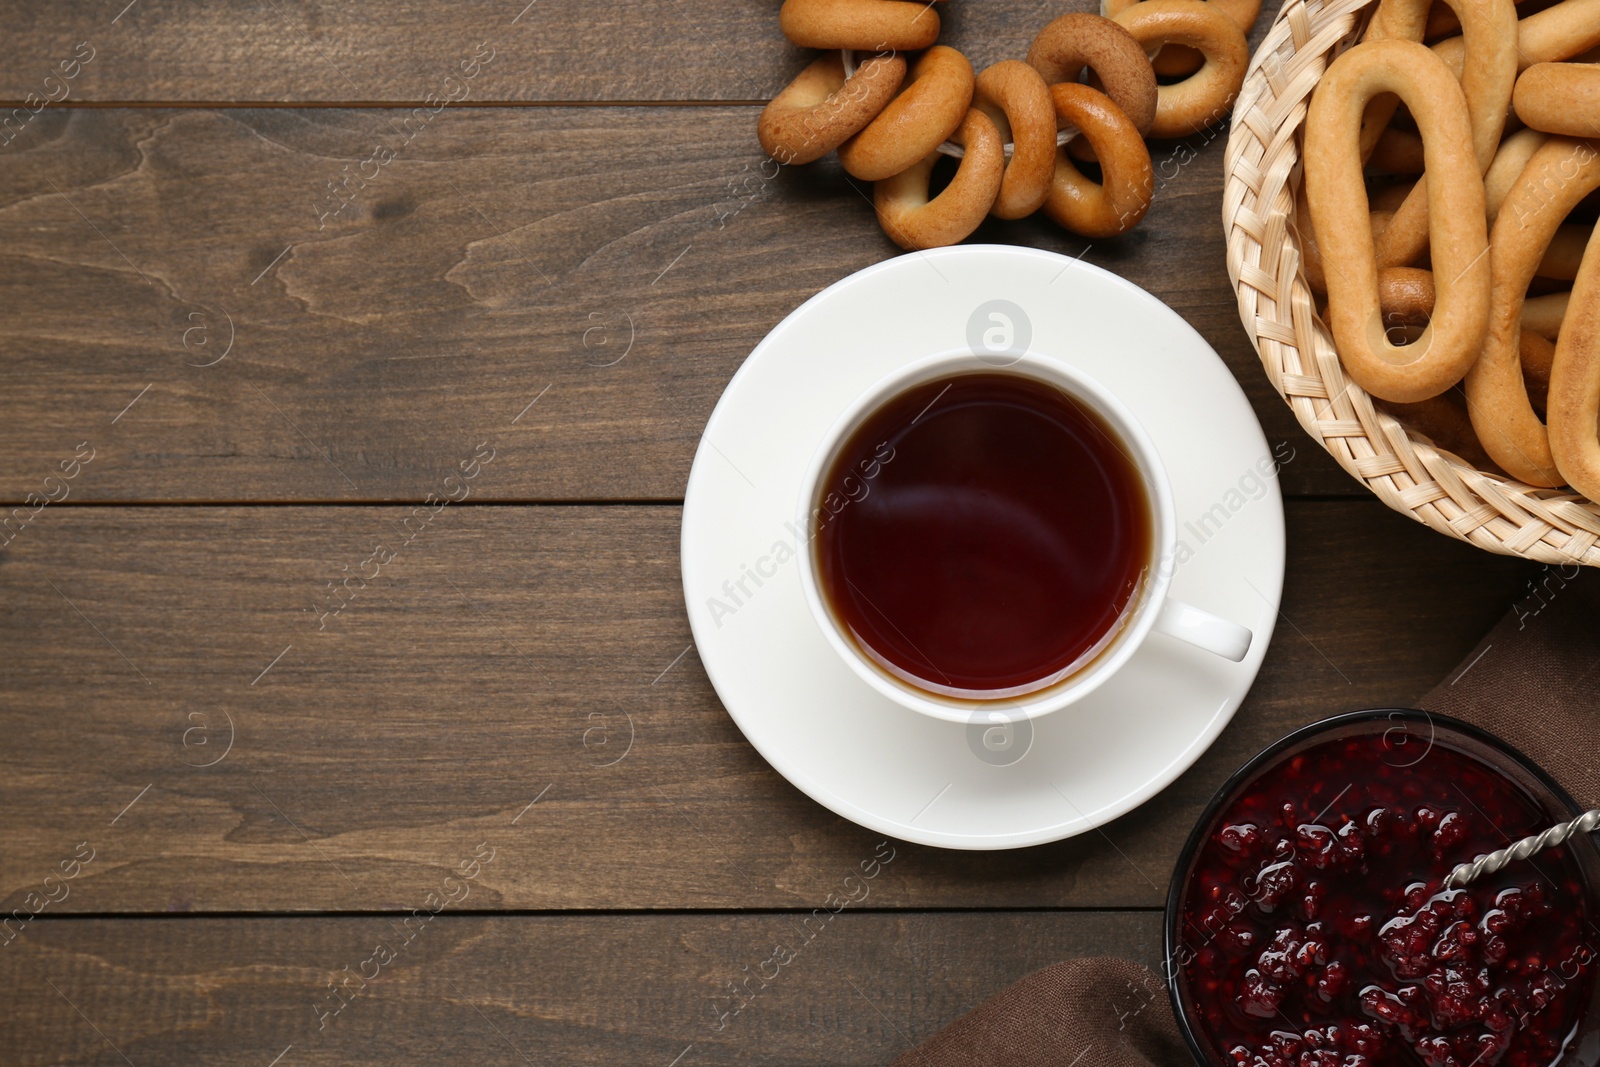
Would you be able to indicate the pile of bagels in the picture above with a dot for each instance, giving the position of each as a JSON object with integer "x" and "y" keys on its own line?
{"x": 1443, "y": 155}
{"x": 891, "y": 100}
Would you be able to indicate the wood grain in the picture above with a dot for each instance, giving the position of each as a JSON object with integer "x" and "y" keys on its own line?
{"x": 298, "y": 51}
{"x": 187, "y": 294}
{"x": 468, "y": 680}
{"x": 640, "y": 989}
{"x": 499, "y": 253}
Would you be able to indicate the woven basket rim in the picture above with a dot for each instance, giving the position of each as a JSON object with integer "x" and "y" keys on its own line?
{"x": 1404, "y": 469}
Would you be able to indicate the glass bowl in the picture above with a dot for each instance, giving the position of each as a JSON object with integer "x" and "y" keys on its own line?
{"x": 1228, "y": 905}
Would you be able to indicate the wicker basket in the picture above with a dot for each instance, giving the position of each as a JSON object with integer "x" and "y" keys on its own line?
{"x": 1405, "y": 469}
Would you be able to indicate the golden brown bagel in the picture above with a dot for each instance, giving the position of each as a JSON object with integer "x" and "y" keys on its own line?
{"x": 1179, "y": 61}
{"x": 862, "y": 25}
{"x": 1574, "y": 404}
{"x": 931, "y": 106}
{"x": 1560, "y": 98}
{"x": 913, "y": 221}
{"x": 1206, "y": 97}
{"x": 1017, "y": 100}
{"x": 821, "y": 108}
{"x": 1118, "y": 203}
{"x": 1457, "y": 223}
{"x": 1489, "y": 30}
{"x": 1560, "y": 174}
{"x": 1072, "y": 42}
{"x": 1567, "y": 29}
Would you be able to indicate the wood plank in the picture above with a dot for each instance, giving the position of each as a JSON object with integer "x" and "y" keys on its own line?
{"x": 318, "y": 51}
{"x": 503, "y": 251}
{"x": 642, "y": 989}
{"x": 314, "y": 51}
{"x": 468, "y": 680}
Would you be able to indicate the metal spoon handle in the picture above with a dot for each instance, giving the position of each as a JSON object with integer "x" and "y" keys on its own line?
{"x": 1521, "y": 850}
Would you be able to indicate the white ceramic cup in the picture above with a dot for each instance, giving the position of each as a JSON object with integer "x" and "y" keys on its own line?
{"x": 1150, "y": 608}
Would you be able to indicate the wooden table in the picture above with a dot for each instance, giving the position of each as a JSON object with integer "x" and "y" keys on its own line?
{"x": 277, "y": 276}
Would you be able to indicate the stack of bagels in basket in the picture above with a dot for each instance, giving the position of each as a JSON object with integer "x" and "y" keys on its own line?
{"x": 1442, "y": 157}
{"x": 890, "y": 100}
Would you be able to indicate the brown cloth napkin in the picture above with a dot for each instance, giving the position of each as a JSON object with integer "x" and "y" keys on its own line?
{"x": 1534, "y": 681}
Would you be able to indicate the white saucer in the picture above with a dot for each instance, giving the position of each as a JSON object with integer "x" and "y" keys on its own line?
{"x": 891, "y": 769}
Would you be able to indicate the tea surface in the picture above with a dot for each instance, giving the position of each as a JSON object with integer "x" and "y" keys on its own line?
{"x": 981, "y": 532}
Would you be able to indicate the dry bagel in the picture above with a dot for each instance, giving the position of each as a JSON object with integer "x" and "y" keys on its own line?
{"x": 1017, "y": 100}
{"x": 1118, "y": 203}
{"x": 821, "y": 108}
{"x": 931, "y": 106}
{"x": 913, "y": 221}
{"x": 861, "y": 25}
{"x": 1205, "y": 97}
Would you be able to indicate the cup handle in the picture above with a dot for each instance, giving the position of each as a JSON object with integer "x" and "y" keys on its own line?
{"x": 1203, "y": 630}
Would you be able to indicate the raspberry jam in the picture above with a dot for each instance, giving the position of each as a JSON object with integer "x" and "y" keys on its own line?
{"x": 1312, "y": 931}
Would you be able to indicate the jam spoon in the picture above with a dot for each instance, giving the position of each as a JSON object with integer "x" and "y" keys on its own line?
{"x": 1521, "y": 850}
